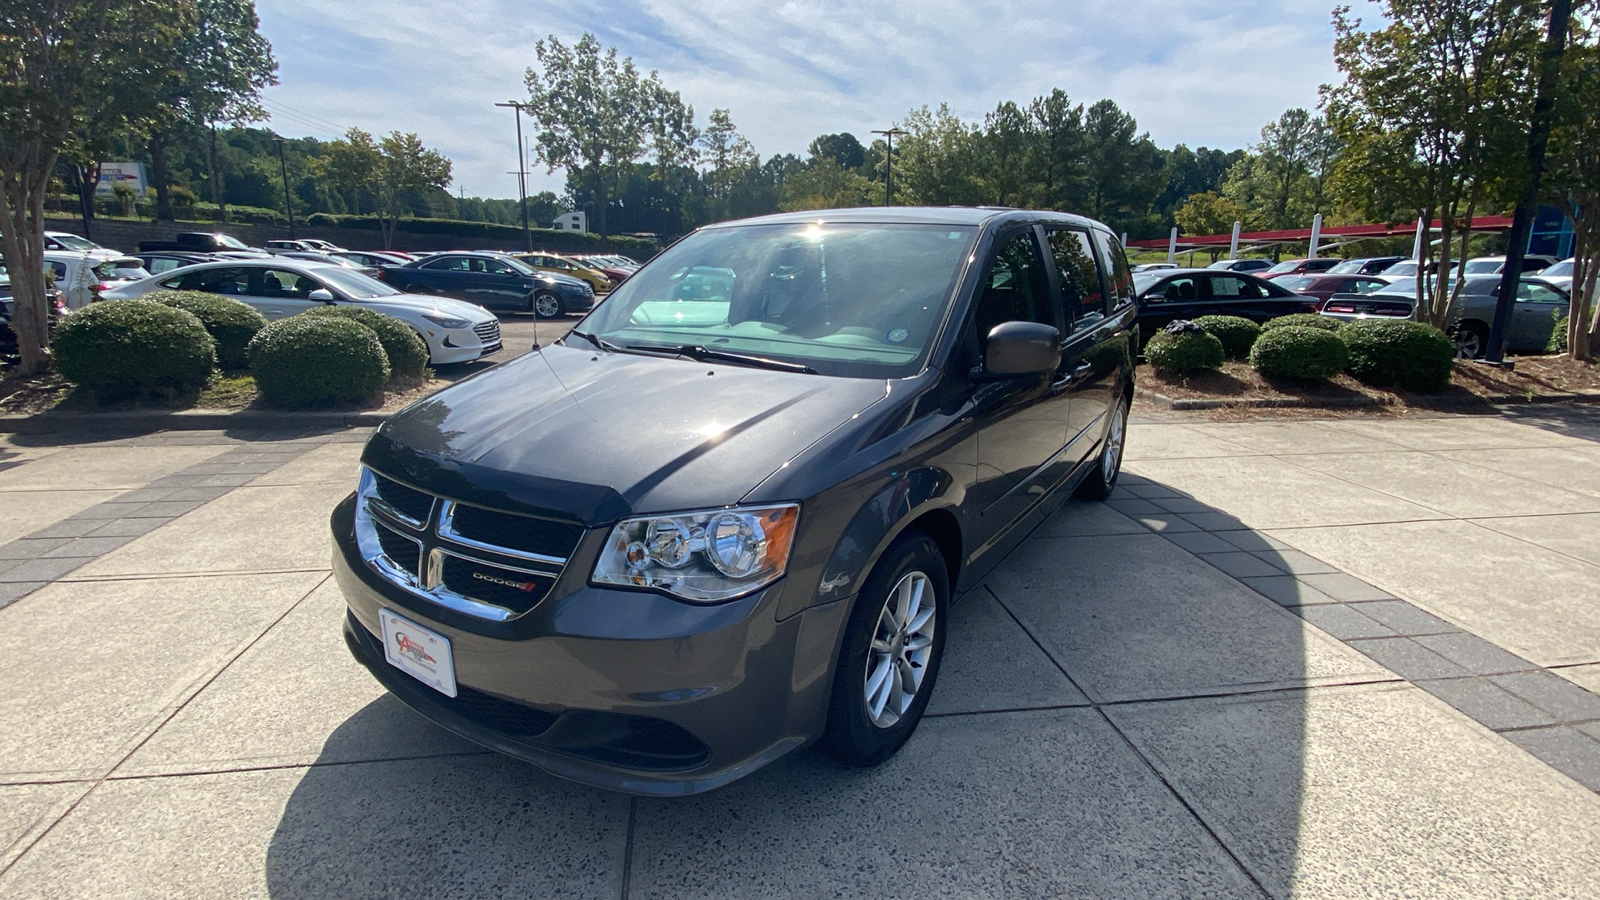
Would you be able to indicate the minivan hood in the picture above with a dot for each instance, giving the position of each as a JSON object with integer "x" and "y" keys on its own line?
{"x": 594, "y": 436}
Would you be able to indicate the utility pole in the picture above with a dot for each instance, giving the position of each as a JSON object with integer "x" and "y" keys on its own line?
{"x": 288, "y": 199}
{"x": 888, "y": 164}
{"x": 522, "y": 178}
{"x": 1538, "y": 137}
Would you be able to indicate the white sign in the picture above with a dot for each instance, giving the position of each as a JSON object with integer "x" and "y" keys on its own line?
{"x": 115, "y": 173}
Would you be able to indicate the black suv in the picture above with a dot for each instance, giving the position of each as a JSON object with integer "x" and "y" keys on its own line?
{"x": 727, "y": 515}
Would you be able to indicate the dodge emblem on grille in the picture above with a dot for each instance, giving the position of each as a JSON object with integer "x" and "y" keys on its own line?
{"x": 519, "y": 585}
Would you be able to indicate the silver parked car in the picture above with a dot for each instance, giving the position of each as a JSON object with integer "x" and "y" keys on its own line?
{"x": 455, "y": 331}
{"x": 1538, "y": 305}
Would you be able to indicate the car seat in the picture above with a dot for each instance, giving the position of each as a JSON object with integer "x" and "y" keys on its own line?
{"x": 270, "y": 286}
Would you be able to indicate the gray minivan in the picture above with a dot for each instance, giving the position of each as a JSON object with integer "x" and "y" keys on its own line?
{"x": 727, "y": 515}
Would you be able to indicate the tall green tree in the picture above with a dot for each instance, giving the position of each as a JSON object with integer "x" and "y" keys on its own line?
{"x": 388, "y": 173}
{"x": 1007, "y": 156}
{"x": 843, "y": 148}
{"x": 1058, "y": 148}
{"x": 1122, "y": 169}
{"x": 66, "y": 64}
{"x": 935, "y": 163}
{"x": 1428, "y": 114}
{"x": 1282, "y": 183}
{"x": 727, "y": 155}
{"x": 597, "y": 114}
{"x": 223, "y": 64}
{"x": 1573, "y": 180}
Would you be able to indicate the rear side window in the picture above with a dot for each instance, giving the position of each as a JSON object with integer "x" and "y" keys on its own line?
{"x": 1119, "y": 276}
{"x": 1081, "y": 295}
{"x": 1232, "y": 287}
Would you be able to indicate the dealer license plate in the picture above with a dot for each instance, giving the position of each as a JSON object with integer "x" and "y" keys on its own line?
{"x": 419, "y": 652}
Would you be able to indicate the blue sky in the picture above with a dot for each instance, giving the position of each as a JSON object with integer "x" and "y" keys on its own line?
{"x": 1202, "y": 72}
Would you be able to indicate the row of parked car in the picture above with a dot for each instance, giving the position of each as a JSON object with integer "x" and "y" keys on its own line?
{"x": 445, "y": 296}
{"x": 1349, "y": 289}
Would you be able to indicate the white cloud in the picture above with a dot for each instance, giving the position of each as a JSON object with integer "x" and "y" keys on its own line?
{"x": 1207, "y": 72}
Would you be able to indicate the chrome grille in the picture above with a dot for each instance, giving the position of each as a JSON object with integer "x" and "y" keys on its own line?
{"x": 478, "y": 561}
{"x": 488, "y": 332}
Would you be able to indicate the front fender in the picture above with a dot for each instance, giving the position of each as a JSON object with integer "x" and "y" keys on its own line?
{"x": 877, "y": 523}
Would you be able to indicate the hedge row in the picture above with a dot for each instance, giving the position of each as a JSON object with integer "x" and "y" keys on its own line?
{"x": 1307, "y": 347}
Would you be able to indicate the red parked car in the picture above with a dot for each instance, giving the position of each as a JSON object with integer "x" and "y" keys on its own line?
{"x": 1301, "y": 267}
{"x": 1324, "y": 286}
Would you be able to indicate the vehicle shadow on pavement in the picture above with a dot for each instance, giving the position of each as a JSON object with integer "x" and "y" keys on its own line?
{"x": 1117, "y": 715}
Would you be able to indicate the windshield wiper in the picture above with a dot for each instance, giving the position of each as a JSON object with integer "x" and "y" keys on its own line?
{"x": 707, "y": 354}
{"x": 596, "y": 340}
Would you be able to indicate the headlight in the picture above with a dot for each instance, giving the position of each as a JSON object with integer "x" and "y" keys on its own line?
{"x": 704, "y": 556}
{"x": 444, "y": 321}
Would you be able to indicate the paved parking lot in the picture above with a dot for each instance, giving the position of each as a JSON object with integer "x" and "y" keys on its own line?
{"x": 1296, "y": 659}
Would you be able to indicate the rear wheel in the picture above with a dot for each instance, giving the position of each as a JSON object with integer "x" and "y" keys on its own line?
{"x": 1471, "y": 339}
{"x": 546, "y": 305}
{"x": 890, "y": 658}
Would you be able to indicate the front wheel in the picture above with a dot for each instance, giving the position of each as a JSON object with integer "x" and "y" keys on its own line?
{"x": 546, "y": 305}
{"x": 1099, "y": 484}
{"x": 890, "y": 658}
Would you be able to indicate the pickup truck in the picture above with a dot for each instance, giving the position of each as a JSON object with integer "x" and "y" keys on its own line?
{"x": 202, "y": 242}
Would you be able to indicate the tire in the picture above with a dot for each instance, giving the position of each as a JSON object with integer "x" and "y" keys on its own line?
{"x": 908, "y": 577}
{"x": 1471, "y": 339}
{"x": 1099, "y": 484}
{"x": 546, "y": 305}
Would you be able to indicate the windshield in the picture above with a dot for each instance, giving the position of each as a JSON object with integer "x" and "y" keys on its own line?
{"x": 1299, "y": 282}
{"x": 73, "y": 242}
{"x": 1348, "y": 267}
{"x": 858, "y": 300}
{"x": 355, "y": 285}
{"x": 232, "y": 242}
{"x": 1483, "y": 266}
{"x": 1282, "y": 267}
{"x": 1404, "y": 267}
{"x": 1559, "y": 270}
{"x": 126, "y": 269}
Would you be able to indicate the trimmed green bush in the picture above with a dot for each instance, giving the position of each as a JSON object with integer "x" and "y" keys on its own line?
{"x": 1237, "y": 334}
{"x": 408, "y": 355}
{"x": 1183, "y": 347}
{"x": 1302, "y": 320}
{"x": 1403, "y": 353}
{"x": 124, "y": 349}
{"x": 1299, "y": 352}
{"x": 306, "y": 361}
{"x": 230, "y": 323}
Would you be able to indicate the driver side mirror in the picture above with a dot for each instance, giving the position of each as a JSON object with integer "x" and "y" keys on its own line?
{"x": 1018, "y": 350}
{"x": 321, "y": 294}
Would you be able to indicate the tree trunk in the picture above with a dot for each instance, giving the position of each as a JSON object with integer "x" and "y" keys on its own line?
{"x": 216, "y": 178}
{"x": 87, "y": 178}
{"x": 158, "y": 174}
{"x": 22, "y": 243}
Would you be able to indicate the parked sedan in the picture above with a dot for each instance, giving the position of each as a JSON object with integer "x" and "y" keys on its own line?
{"x": 455, "y": 332}
{"x": 1537, "y": 307}
{"x": 1251, "y": 265}
{"x": 157, "y": 262}
{"x": 493, "y": 280}
{"x": 1364, "y": 265}
{"x": 1189, "y": 293}
{"x": 550, "y": 262}
{"x": 374, "y": 258}
{"x": 1494, "y": 265}
{"x": 1300, "y": 267}
{"x": 1324, "y": 286}
{"x": 1560, "y": 274}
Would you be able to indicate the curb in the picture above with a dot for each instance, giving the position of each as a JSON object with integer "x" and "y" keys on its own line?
{"x": 1423, "y": 401}
{"x": 188, "y": 420}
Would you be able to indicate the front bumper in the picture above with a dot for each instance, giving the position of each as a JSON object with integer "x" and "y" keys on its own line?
{"x": 625, "y": 690}
{"x": 447, "y": 346}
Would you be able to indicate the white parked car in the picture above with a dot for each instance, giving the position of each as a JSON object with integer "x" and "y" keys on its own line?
{"x": 1560, "y": 274}
{"x": 80, "y": 275}
{"x": 455, "y": 331}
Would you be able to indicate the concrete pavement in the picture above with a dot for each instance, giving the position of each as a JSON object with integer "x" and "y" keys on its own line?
{"x": 1322, "y": 658}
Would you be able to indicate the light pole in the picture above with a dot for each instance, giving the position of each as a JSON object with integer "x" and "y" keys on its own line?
{"x": 288, "y": 200}
{"x": 888, "y": 164}
{"x": 522, "y": 178}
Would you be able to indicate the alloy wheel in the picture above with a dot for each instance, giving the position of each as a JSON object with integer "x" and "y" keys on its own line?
{"x": 898, "y": 658}
{"x": 1111, "y": 459}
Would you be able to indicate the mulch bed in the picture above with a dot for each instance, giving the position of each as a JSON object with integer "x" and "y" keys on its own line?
{"x": 1473, "y": 384}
